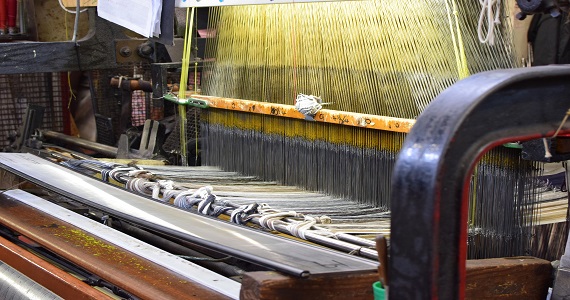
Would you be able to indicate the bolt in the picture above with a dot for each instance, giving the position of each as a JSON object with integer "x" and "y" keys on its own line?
{"x": 521, "y": 16}
{"x": 145, "y": 50}
{"x": 125, "y": 51}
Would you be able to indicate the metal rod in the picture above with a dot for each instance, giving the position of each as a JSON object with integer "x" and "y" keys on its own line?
{"x": 100, "y": 148}
{"x": 323, "y": 240}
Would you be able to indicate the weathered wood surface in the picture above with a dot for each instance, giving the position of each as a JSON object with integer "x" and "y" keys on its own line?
{"x": 272, "y": 285}
{"x": 496, "y": 278}
{"x": 508, "y": 278}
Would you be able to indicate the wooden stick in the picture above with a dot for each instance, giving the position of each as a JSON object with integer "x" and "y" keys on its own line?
{"x": 323, "y": 115}
{"x": 382, "y": 249}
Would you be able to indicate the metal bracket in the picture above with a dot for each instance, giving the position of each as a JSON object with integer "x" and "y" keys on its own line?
{"x": 95, "y": 51}
{"x": 190, "y": 101}
{"x": 151, "y": 142}
{"x": 33, "y": 120}
{"x": 133, "y": 50}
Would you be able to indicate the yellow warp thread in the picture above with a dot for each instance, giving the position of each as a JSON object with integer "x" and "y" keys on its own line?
{"x": 184, "y": 82}
{"x": 462, "y": 68}
{"x": 457, "y": 40}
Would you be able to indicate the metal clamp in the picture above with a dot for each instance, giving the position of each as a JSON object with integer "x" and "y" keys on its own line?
{"x": 431, "y": 176}
{"x": 190, "y": 101}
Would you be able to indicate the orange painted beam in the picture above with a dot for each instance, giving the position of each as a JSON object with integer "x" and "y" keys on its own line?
{"x": 323, "y": 115}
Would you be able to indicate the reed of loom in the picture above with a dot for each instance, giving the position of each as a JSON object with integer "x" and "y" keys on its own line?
{"x": 373, "y": 58}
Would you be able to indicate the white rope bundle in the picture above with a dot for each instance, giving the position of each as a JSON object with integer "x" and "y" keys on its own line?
{"x": 118, "y": 173}
{"x": 243, "y": 213}
{"x": 268, "y": 220}
{"x": 161, "y": 186}
{"x": 144, "y": 182}
{"x": 490, "y": 12}
{"x": 187, "y": 199}
{"x": 308, "y": 105}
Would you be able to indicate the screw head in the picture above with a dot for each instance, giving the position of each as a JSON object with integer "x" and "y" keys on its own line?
{"x": 125, "y": 51}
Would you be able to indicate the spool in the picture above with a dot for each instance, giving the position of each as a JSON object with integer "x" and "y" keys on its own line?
{"x": 379, "y": 291}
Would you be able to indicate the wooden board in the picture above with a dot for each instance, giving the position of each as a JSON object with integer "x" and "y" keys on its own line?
{"x": 496, "y": 278}
{"x": 274, "y": 286}
{"x": 508, "y": 278}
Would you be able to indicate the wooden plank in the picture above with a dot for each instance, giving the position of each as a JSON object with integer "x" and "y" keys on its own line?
{"x": 508, "y": 278}
{"x": 274, "y": 286}
{"x": 135, "y": 274}
{"x": 496, "y": 278}
{"x": 49, "y": 276}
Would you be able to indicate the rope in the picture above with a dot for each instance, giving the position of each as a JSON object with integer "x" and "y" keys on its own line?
{"x": 137, "y": 185}
{"x": 268, "y": 216}
{"x": 141, "y": 181}
{"x": 118, "y": 172}
{"x": 138, "y": 173}
{"x": 491, "y": 10}
{"x": 300, "y": 228}
{"x": 105, "y": 175}
{"x": 205, "y": 205}
{"x": 218, "y": 210}
{"x": 308, "y": 105}
{"x": 188, "y": 199}
{"x": 161, "y": 186}
{"x": 168, "y": 194}
{"x": 242, "y": 214}
{"x": 268, "y": 220}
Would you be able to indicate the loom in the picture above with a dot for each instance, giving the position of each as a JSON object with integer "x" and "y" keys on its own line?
{"x": 442, "y": 181}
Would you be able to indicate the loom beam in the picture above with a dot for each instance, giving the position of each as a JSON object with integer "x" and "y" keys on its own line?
{"x": 138, "y": 275}
{"x": 431, "y": 176}
{"x": 285, "y": 256}
{"x": 324, "y": 115}
{"x": 60, "y": 282}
